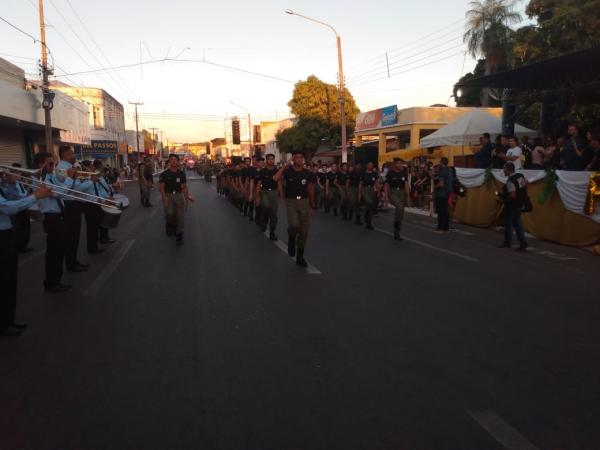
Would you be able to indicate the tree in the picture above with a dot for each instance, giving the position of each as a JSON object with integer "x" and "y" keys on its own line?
{"x": 488, "y": 34}
{"x": 307, "y": 135}
{"x": 316, "y": 105}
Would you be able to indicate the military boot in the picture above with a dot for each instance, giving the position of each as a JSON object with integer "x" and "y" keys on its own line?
{"x": 397, "y": 231}
{"x": 300, "y": 261}
{"x": 291, "y": 245}
{"x": 179, "y": 239}
{"x": 272, "y": 234}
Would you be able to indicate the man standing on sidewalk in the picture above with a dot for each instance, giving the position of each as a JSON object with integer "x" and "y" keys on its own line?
{"x": 299, "y": 190}
{"x": 514, "y": 196}
{"x": 397, "y": 193}
{"x": 443, "y": 187}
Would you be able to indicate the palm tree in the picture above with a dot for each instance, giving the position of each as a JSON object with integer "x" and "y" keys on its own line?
{"x": 488, "y": 33}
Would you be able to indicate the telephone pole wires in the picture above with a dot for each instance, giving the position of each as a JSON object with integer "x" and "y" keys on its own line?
{"x": 137, "y": 130}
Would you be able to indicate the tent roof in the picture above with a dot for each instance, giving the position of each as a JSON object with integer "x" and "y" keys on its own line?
{"x": 578, "y": 69}
{"x": 467, "y": 129}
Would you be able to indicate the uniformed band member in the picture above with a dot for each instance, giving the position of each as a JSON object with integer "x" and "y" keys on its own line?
{"x": 353, "y": 184}
{"x": 13, "y": 189}
{"x": 106, "y": 190}
{"x": 55, "y": 227}
{"x": 367, "y": 192}
{"x": 175, "y": 198}
{"x": 396, "y": 192}
{"x": 66, "y": 176}
{"x": 268, "y": 192}
{"x": 9, "y": 260}
{"x": 299, "y": 192}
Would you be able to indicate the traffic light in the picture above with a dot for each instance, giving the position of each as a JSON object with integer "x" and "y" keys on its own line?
{"x": 235, "y": 130}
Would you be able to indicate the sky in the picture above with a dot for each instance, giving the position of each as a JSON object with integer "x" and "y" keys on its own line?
{"x": 189, "y": 100}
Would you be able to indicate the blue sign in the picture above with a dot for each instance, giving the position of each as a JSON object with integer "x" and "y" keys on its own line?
{"x": 389, "y": 116}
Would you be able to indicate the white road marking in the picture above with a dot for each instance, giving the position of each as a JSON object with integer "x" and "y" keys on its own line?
{"x": 552, "y": 255}
{"x": 432, "y": 247}
{"x": 283, "y": 247}
{"x": 109, "y": 269}
{"x": 505, "y": 434}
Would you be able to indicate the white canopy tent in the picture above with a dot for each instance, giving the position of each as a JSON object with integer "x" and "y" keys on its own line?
{"x": 466, "y": 130}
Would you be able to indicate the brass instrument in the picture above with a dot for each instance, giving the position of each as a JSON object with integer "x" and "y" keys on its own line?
{"x": 24, "y": 176}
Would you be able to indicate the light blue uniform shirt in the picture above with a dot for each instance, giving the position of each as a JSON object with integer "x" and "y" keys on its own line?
{"x": 54, "y": 203}
{"x": 14, "y": 191}
{"x": 61, "y": 179}
{"x": 11, "y": 207}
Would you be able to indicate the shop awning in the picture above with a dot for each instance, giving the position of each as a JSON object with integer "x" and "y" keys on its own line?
{"x": 575, "y": 70}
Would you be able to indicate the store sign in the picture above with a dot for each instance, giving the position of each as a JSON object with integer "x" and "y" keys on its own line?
{"x": 100, "y": 148}
{"x": 378, "y": 118}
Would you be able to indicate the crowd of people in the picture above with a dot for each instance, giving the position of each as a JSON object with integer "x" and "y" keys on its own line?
{"x": 63, "y": 194}
{"x": 572, "y": 152}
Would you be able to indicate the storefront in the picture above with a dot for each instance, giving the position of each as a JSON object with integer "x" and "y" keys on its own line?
{"x": 105, "y": 150}
{"x": 398, "y": 133}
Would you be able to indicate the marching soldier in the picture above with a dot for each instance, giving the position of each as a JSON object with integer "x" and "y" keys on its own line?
{"x": 367, "y": 191}
{"x": 268, "y": 192}
{"x": 254, "y": 210}
{"x": 299, "y": 192}
{"x": 332, "y": 191}
{"x": 244, "y": 179}
{"x": 175, "y": 198}
{"x": 353, "y": 202}
{"x": 341, "y": 183}
{"x": 9, "y": 327}
{"x": 397, "y": 192}
{"x": 320, "y": 186}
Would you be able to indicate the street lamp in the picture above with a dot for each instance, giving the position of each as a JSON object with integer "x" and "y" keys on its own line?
{"x": 341, "y": 79}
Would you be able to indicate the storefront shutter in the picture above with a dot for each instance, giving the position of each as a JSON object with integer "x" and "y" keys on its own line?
{"x": 11, "y": 146}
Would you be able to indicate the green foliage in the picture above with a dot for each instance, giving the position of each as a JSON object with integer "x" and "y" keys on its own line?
{"x": 314, "y": 99}
{"x": 561, "y": 27}
{"x": 472, "y": 96}
{"x": 549, "y": 186}
{"x": 306, "y": 135}
{"x": 316, "y": 105}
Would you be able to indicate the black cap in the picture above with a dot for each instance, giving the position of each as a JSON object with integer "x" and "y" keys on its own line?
{"x": 297, "y": 152}
{"x": 397, "y": 159}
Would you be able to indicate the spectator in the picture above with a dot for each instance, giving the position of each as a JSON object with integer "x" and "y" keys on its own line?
{"x": 594, "y": 163}
{"x": 526, "y": 149}
{"x": 553, "y": 153}
{"x": 513, "y": 196}
{"x": 539, "y": 154}
{"x": 587, "y": 154}
{"x": 570, "y": 156}
{"x": 514, "y": 153}
{"x": 500, "y": 149}
{"x": 483, "y": 158}
{"x": 443, "y": 187}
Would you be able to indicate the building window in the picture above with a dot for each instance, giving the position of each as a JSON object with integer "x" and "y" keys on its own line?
{"x": 403, "y": 140}
{"x": 98, "y": 115}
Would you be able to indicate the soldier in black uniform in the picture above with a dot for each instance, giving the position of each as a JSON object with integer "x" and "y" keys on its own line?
{"x": 332, "y": 191}
{"x": 367, "y": 191}
{"x": 299, "y": 190}
{"x": 397, "y": 192}
{"x": 353, "y": 183}
{"x": 267, "y": 197}
{"x": 175, "y": 198}
{"x": 244, "y": 179}
{"x": 341, "y": 182}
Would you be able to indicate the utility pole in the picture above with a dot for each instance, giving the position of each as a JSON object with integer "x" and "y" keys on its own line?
{"x": 154, "y": 137}
{"x": 137, "y": 131}
{"x": 162, "y": 146}
{"x": 48, "y": 97}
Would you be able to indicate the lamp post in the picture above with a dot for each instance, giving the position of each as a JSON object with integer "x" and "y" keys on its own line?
{"x": 341, "y": 99}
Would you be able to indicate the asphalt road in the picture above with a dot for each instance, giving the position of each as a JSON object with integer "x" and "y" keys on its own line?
{"x": 436, "y": 342}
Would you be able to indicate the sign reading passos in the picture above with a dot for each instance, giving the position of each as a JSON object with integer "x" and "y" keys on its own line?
{"x": 378, "y": 118}
{"x": 100, "y": 147}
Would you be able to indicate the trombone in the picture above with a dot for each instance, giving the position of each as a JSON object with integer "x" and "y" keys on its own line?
{"x": 24, "y": 176}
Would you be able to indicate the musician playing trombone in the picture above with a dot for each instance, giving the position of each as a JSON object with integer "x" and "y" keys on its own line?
{"x": 13, "y": 189}
{"x": 9, "y": 259}
{"x": 66, "y": 176}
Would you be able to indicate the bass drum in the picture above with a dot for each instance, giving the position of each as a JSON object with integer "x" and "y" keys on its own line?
{"x": 109, "y": 217}
{"x": 122, "y": 199}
